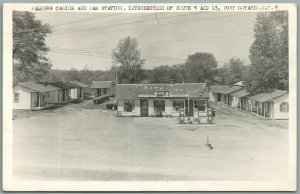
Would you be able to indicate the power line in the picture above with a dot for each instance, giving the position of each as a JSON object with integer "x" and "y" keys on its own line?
{"x": 107, "y": 55}
{"x": 180, "y": 40}
{"x": 142, "y": 27}
{"x": 121, "y": 24}
{"x": 83, "y": 20}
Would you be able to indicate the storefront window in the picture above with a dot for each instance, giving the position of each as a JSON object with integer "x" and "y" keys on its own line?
{"x": 177, "y": 105}
{"x": 128, "y": 105}
{"x": 200, "y": 105}
{"x": 159, "y": 105}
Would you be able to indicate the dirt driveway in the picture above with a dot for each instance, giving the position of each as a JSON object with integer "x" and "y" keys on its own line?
{"x": 78, "y": 143}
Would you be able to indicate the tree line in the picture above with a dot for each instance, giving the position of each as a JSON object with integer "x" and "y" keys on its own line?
{"x": 268, "y": 68}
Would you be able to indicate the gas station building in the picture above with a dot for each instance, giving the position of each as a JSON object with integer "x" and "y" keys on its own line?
{"x": 189, "y": 99}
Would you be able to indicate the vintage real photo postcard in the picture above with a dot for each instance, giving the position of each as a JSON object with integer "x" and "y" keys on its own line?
{"x": 149, "y": 97}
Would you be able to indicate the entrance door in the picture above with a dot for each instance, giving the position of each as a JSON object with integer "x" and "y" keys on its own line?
{"x": 159, "y": 107}
{"x": 98, "y": 92}
{"x": 144, "y": 107}
{"x": 64, "y": 95}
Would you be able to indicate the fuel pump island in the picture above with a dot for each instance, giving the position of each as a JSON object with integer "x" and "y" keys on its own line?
{"x": 207, "y": 117}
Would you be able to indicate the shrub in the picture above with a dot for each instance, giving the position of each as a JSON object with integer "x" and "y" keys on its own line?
{"x": 100, "y": 99}
{"x": 110, "y": 105}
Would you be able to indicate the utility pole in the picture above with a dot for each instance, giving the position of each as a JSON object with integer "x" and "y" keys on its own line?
{"x": 116, "y": 75}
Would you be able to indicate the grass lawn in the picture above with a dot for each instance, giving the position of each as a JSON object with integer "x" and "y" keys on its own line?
{"x": 81, "y": 143}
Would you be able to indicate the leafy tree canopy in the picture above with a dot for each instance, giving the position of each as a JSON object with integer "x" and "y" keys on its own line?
{"x": 29, "y": 47}
{"x": 129, "y": 56}
{"x": 269, "y": 53}
{"x": 200, "y": 67}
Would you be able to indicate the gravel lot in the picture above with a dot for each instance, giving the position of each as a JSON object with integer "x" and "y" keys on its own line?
{"x": 77, "y": 142}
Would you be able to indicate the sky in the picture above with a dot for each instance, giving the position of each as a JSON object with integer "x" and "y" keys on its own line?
{"x": 87, "y": 39}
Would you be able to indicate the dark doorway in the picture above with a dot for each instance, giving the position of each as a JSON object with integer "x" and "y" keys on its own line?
{"x": 64, "y": 95}
{"x": 98, "y": 92}
{"x": 219, "y": 97}
{"x": 189, "y": 108}
{"x": 144, "y": 107}
{"x": 159, "y": 107}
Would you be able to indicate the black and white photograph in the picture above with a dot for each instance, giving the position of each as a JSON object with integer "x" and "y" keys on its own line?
{"x": 141, "y": 97}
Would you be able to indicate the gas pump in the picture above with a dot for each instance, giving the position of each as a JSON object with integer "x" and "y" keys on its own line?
{"x": 210, "y": 115}
{"x": 181, "y": 116}
{"x": 196, "y": 116}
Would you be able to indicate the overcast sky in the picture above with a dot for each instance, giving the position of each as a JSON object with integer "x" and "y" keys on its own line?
{"x": 80, "y": 39}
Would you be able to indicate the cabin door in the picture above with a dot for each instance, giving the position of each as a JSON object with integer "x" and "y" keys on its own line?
{"x": 219, "y": 97}
{"x": 144, "y": 107}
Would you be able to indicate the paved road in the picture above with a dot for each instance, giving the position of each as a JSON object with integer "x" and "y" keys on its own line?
{"x": 76, "y": 143}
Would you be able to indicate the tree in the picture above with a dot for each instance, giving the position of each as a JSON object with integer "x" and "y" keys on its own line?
{"x": 179, "y": 69}
{"x": 129, "y": 56}
{"x": 200, "y": 67}
{"x": 73, "y": 74}
{"x": 269, "y": 53}
{"x": 224, "y": 74}
{"x": 29, "y": 47}
{"x": 86, "y": 75}
{"x": 233, "y": 71}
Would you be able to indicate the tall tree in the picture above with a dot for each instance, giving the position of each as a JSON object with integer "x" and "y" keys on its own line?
{"x": 232, "y": 72}
{"x": 200, "y": 67}
{"x": 129, "y": 56}
{"x": 224, "y": 74}
{"x": 86, "y": 75}
{"x": 269, "y": 53}
{"x": 29, "y": 47}
{"x": 73, "y": 74}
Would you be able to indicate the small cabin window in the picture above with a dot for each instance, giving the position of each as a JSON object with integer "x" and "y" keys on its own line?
{"x": 16, "y": 97}
{"x": 104, "y": 91}
{"x": 128, "y": 105}
{"x": 284, "y": 107}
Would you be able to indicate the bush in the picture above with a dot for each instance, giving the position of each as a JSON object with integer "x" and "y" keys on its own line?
{"x": 110, "y": 105}
{"x": 100, "y": 99}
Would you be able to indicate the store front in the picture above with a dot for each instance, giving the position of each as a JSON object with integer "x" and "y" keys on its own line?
{"x": 158, "y": 100}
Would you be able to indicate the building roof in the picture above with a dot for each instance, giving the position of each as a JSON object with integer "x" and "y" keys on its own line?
{"x": 240, "y": 93}
{"x": 60, "y": 84}
{"x": 224, "y": 89}
{"x": 263, "y": 97}
{"x": 134, "y": 91}
{"x": 79, "y": 84}
{"x": 101, "y": 84}
{"x": 38, "y": 87}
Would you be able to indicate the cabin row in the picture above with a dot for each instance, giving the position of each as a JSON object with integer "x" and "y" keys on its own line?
{"x": 273, "y": 105}
{"x": 154, "y": 99}
{"x": 41, "y": 95}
